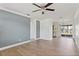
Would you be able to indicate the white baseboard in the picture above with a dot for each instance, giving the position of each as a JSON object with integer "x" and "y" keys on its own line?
{"x": 46, "y": 38}
{"x": 17, "y": 44}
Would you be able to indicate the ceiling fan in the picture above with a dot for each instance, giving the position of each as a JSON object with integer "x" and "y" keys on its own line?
{"x": 43, "y": 8}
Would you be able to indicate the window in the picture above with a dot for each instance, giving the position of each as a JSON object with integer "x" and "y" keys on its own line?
{"x": 66, "y": 29}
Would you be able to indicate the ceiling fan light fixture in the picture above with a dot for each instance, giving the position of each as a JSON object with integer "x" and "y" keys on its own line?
{"x": 43, "y": 8}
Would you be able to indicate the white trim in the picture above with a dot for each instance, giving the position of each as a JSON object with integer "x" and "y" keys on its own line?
{"x": 14, "y": 12}
{"x": 17, "y": 44}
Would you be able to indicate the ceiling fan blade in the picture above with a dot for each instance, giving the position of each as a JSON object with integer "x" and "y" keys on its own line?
{"x": 50, "y": 9}
{"x": 36, "y": 5}
{"x": 36, "y": 10}
{"x": 48, "y": 4}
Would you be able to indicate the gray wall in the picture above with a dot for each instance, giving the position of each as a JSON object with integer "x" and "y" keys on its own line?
{"x": 13, "y": 28}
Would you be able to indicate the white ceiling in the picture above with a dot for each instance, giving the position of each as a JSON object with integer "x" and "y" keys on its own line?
{"x": 65, "y": 10}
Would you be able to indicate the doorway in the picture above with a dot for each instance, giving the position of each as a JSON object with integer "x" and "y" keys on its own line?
{"x": 37, "y": 29}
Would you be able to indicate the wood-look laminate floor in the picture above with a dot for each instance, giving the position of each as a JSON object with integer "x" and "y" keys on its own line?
{"x": 57, "y": 47}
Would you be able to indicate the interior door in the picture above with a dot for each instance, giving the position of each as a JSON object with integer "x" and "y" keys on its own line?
{"x": 37, "y": 29}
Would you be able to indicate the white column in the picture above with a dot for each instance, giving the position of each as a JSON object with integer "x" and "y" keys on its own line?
{"x": 76, "y": 28}
{"x": 74, "y": 23}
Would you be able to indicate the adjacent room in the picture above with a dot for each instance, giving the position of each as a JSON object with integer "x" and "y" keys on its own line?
{"x": 39, "y": 29}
